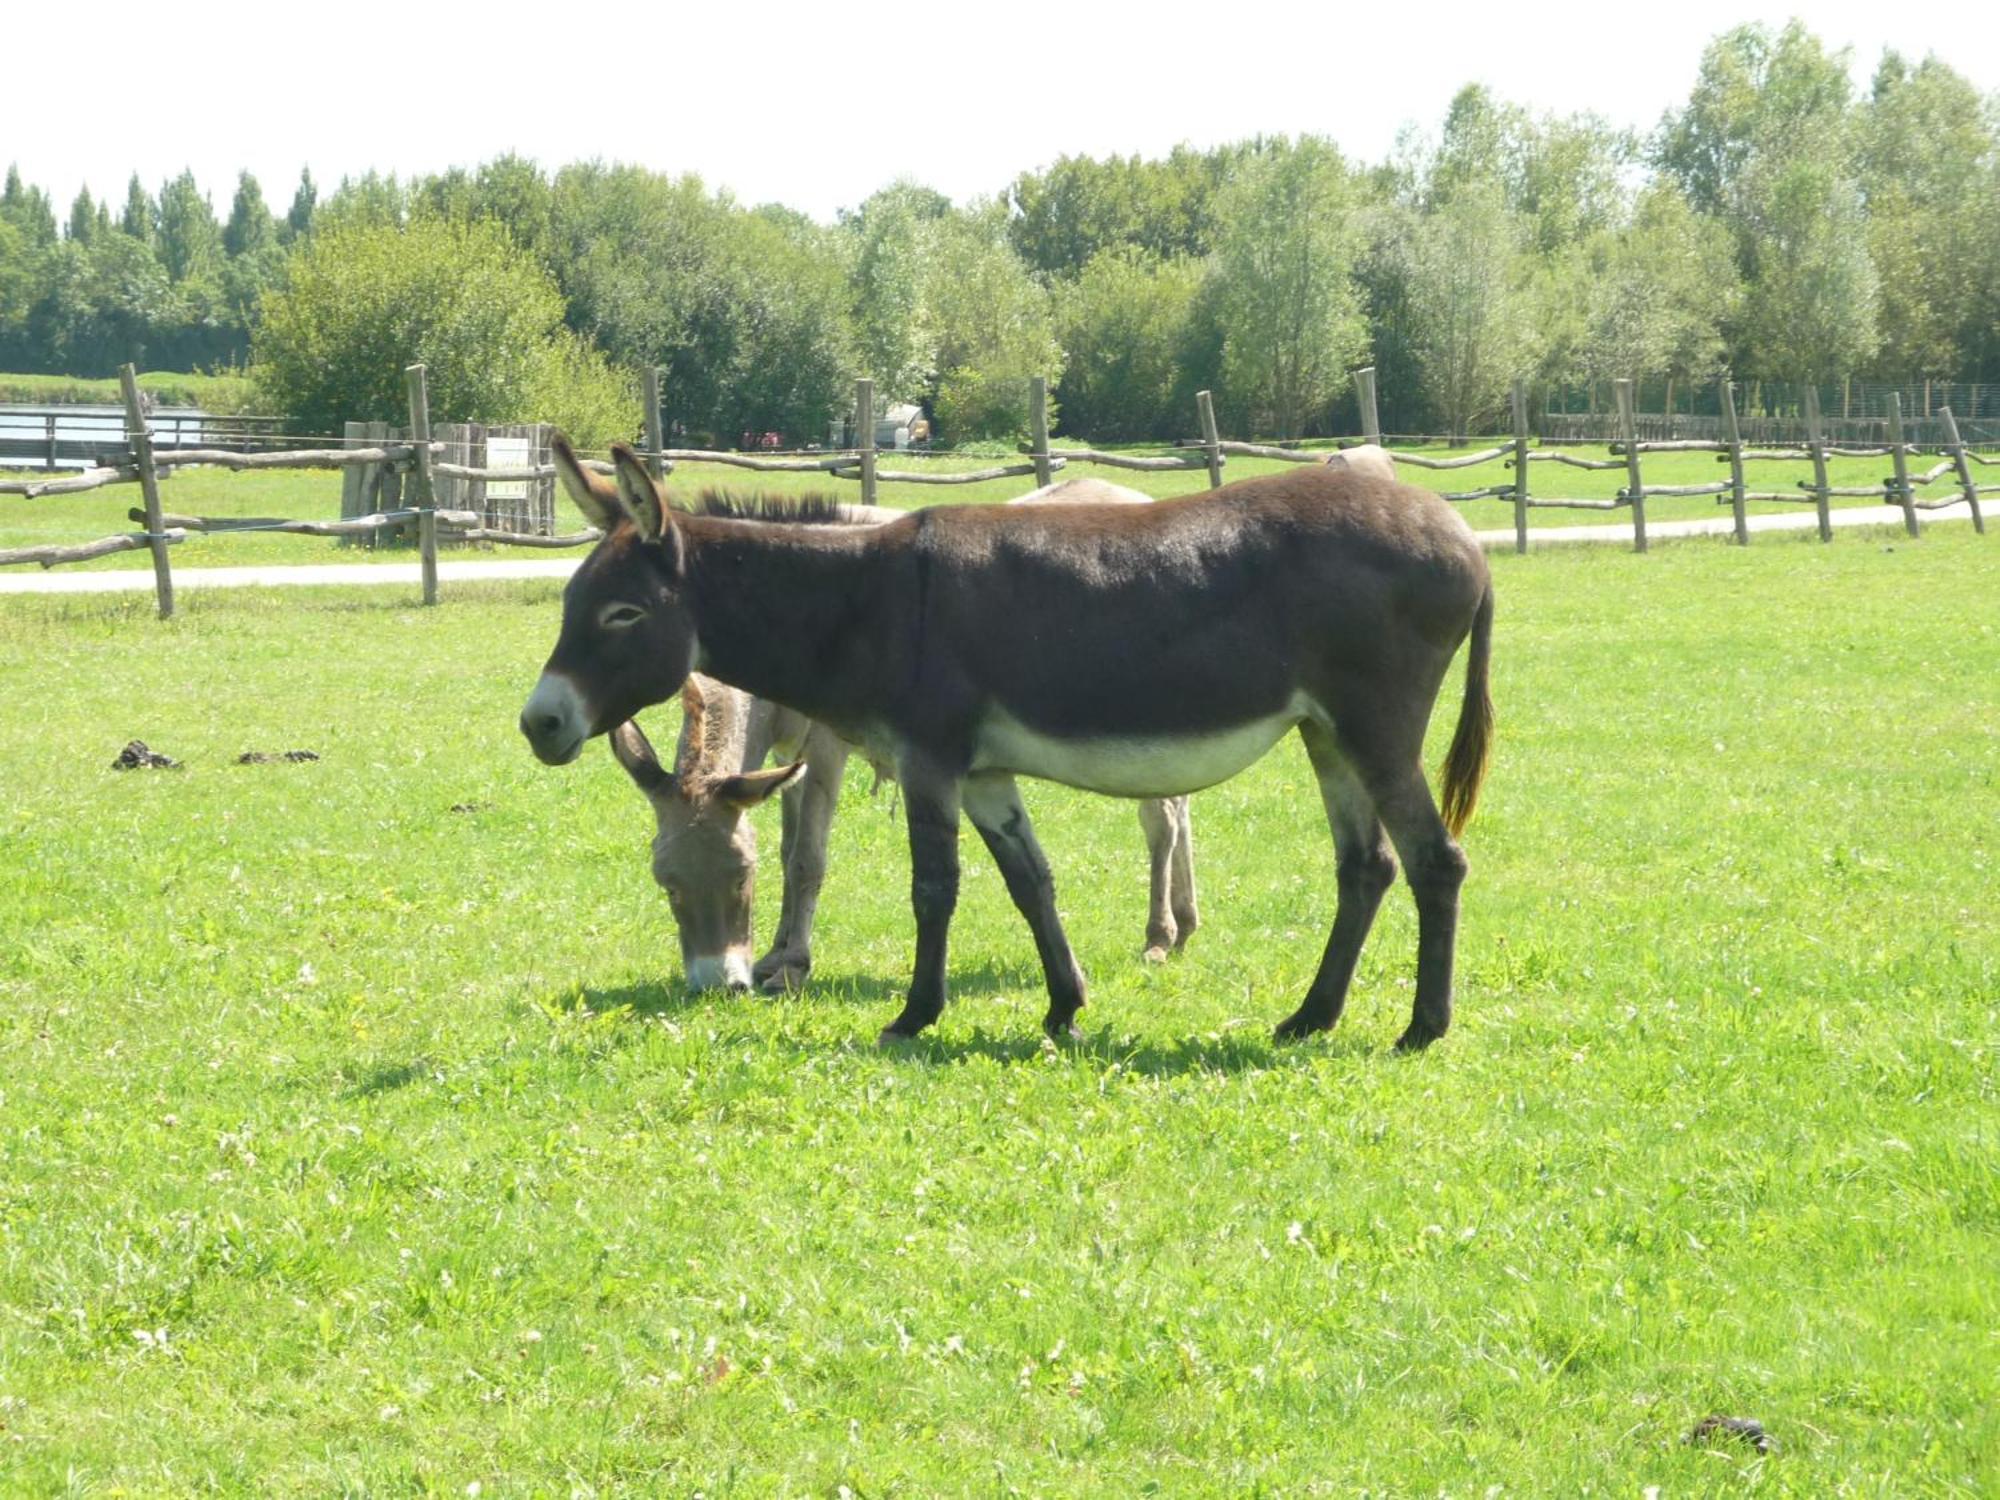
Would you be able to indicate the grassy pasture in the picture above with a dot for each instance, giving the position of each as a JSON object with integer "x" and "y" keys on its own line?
{"x": 309, "y": 495}
{"x": 354, "y": 1143}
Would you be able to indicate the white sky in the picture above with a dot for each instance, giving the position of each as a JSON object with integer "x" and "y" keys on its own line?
{"x": 770, "y": 100}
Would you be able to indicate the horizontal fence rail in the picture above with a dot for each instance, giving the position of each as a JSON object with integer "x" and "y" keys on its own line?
{"x": 416, "y": 482}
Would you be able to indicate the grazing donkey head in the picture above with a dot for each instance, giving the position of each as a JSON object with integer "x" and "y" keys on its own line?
{"x": 636, "y": 636}
{"x": 705, "y": 853}
{"x": 1368, "y": 458}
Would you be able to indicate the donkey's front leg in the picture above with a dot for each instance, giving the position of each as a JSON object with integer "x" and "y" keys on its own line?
{"x": 994, "y": 804}
{"x": 930, "y": 803}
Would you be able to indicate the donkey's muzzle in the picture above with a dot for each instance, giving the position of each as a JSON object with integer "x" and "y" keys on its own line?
{"x": 554, "y": 722}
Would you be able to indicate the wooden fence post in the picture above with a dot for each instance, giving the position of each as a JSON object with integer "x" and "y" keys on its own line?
{"x": 1635, "y": 487}
{"x": 49, "y": 436}
{"x": 1211, "y": 440}
{"x": 426, "y": 496}
{"x": 864, "y": 421}
{"x": 1520, "y": 466}
{"x": 141, "y": 441}
{"x": 1735, "y": 439}
{"x": 1904, "y": 495}
{"x": 1816, "y": 446}
{"x": 1364, "y": 396}
{"x": 354, "y": 435}
{"x": 1038, "y": 429}
{"x": 1958, "y": 459}
{"x": 655, "y": 438}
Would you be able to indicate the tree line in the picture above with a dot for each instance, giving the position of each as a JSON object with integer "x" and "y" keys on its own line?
{"x": 1779, "y": 224}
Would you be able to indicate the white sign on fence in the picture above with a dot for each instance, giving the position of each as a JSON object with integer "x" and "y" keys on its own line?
{"x": 508, "y": 453}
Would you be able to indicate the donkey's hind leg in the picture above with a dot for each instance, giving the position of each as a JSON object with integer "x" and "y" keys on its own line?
{"x": 808, "y": 822}
{"x": 1162, "y": 829}
{"x": 1364, "y": 871}
{"x": 993, "y": 803}
{"x": 1435, "y": 867}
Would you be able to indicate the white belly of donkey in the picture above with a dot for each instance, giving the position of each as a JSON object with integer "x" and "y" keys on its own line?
{"x": 1154, "y": 765}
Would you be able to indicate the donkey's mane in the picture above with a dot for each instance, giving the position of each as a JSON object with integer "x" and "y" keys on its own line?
{"x": 797, "y": 510}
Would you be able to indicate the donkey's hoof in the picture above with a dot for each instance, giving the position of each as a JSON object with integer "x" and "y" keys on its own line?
{"x": 1156, "y": 953}
{"x": 889, "y": 1036}
{"x": 781, "y": 979}
{"x": 1417, "y": 1038}
{"x": 1299, "y": 1025}
{"x": 1063, "y": 1034}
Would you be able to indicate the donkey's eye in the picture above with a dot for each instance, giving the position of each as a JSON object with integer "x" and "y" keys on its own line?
{"x": 619, "y": 616}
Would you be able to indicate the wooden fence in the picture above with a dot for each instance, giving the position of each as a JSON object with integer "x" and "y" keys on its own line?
{"x": 402, "y": 477}
{"x": 441, "y": 486}
{"x": 1773, "y": 413}
{"x": 1900, "y": 488}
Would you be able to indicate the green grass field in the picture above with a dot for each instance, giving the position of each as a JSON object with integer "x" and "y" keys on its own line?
{"x": 310, "y": 495}
{"x": 357, "y": 1136}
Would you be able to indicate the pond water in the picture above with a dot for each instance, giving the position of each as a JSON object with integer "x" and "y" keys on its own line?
{"x": 24, "y": 430}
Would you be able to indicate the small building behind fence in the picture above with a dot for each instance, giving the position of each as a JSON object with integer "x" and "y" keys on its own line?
{"x": 901, "y": 426}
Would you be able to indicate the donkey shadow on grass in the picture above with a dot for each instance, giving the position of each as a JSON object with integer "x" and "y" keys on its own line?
{"x": 1010, "y": 1035}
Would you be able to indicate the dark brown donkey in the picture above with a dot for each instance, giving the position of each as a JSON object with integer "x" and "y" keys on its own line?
{"x": 1137, "y": 651}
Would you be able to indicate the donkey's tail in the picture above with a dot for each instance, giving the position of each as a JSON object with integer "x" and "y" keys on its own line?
{"x": 1472, "y": 742}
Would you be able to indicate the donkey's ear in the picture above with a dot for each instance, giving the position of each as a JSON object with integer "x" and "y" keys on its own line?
{"x": 752, "y": 787}
{"x": 643, "y": 502}
{"x": 596, "y": 497}
{"x": 637, "y": 492}
{"x": 635, "y": 754}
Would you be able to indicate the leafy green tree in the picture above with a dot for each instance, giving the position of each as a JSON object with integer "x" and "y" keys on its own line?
{"x": 444, "y": 195}
{"x": 1383, "y": 274}
{"x": 890, "y": 241}
{"x": 793, "y": 346}
{"x": 1927, "y": 148}
{"x": 1284, "y": 276}
{"x": 360, "y": 303}
{"x": 103, "y": 303}
{"x": 994, "y": 328}
{"x": 28, "y": 210}
{"x": 1759, "y": 98}
{"x": 644, "y": 262}
{"x": 512, "y": 191}
{"x": 1476, "y": 147}
{"x": 139, "y": 220}
{"x": 1767, "y": 145}
{"x": 1067, "y": 214}
{"x": 251, "y": 228}
{"x": 20, "y": 284}
{"x": 190, "y": 241}
{"x": 1660, "y": 292}
{"x": 1124, "y": 326}
{"x": 299, "y": 217}
{"x": 252, "y": 241}
{"x": 371, "y": 201}
{"x": 1810, "y": 311}
{"x": 1470, "y": 325}
{"x": 1568, "y": 180}
{"x": 83, "y": 216}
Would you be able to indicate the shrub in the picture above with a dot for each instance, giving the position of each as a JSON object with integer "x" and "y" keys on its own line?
{"x": 360, "y": 302}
